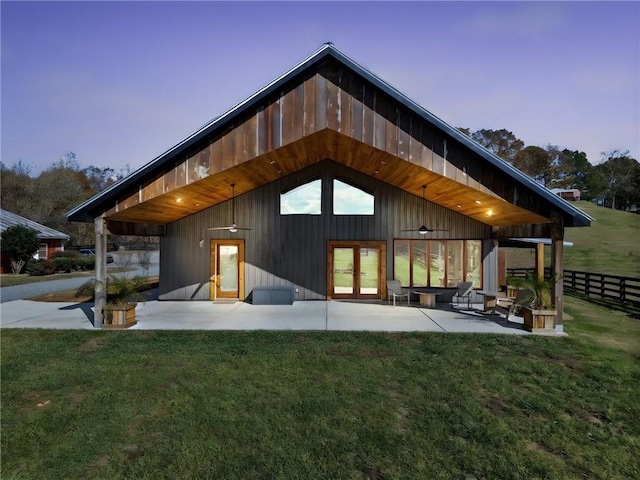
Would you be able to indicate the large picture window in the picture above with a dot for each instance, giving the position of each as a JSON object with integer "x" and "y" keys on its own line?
{"x": 437, "y": 263}
{"x": 303, "y": 200}
{"x": 350, "y": 200}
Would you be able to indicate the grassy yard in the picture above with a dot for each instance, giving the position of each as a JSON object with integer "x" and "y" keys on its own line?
{"x": 9, "y": 279}
{"x": 609, "y": 245}
{"x": 161, "y": 404}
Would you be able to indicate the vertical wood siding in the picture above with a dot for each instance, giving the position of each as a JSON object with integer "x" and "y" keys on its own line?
{"x": 333, "y": 97}
{"x": 291, "y": 249}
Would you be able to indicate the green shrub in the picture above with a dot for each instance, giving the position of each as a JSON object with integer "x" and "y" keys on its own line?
{"x": 49, "y": 267}
{"x": 87, "y": 262}
{"x": 65, "y": 264}
{"x": 64, "y": 254}
{"x": 35, "y": 268}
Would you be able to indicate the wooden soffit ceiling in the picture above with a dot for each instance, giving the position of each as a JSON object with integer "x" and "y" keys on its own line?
{"x": 323, "y": 119}
{"x": 177, "y": 203}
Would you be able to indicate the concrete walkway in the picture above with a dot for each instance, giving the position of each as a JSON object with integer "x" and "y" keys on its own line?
{"x": 310, "y": 315}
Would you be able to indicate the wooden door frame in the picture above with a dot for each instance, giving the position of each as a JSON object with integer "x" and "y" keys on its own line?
{"x": 381, "y": 245}
{"x": 213, "y": 248}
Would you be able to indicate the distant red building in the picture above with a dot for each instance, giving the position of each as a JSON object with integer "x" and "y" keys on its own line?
{"x": 571, "y": 194}
{"x": 50, "y": 240}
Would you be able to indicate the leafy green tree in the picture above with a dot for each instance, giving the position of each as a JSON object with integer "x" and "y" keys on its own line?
{"x": 20, "y": 243}
{"x": 537, "y": 163}
{"x": 620, "y": 174}
{"x": 572, "y": 168}
{"x": 502, "y": 142}
{"x": 17, "y": 192}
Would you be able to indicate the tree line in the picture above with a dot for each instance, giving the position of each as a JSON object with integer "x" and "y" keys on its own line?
{"x": 46, "y": 198}
{"x": 615, "y": 181}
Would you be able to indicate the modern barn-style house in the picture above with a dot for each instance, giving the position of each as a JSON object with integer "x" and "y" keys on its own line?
{"x": 331, "y": 182}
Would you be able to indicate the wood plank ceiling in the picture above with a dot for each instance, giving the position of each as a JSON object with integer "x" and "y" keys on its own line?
{"x": 339, "y": 119}
{"x": 180, "y": 202}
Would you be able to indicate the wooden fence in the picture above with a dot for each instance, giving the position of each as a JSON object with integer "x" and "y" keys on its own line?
{"x": 614, "y": 288}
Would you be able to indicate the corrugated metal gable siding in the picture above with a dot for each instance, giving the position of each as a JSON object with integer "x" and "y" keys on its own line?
{"x": 291, "y": 249}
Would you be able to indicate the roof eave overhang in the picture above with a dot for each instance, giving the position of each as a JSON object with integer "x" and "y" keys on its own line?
{"x": 94, "y": 206}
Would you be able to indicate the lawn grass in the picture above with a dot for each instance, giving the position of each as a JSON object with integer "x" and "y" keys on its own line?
{"x": 10, "y": 279}
{"x": 202, "y": 404}
{"x": 610, "y": 245}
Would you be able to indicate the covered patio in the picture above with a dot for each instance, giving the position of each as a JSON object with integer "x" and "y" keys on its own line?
{"x": 329, "y": 182}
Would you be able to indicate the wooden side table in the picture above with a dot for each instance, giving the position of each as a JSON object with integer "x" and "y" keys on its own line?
{"x": 428, "y": 299}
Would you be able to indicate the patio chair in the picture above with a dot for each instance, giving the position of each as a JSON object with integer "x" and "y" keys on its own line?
{"x": 508, "y": 306}
{"x": 395, "y": 290}
{"x": 463, "y": 290}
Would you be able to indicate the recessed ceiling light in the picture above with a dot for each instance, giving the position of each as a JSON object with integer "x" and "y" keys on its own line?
{"x": 478, "y": 202}
{"x": 490, "y": 213}
{"x": 179, "y": 199}
{"x": 458, "y": 205}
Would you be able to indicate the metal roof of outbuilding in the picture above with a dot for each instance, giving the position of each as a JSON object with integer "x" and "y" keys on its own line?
{"x": 9, "y": 219}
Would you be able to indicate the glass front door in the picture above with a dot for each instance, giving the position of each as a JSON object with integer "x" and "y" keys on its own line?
{"x": 343, "y": 271}
{"x": 369, "y": 268}
{"x": 227, "y": 264}
{"x": 355, "y": 270}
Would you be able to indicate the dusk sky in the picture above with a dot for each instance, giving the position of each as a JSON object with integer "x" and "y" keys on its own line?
{"x": 118, "y": 83}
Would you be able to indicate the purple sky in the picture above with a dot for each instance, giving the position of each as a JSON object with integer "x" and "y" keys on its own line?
{"x": 120, "y": 82}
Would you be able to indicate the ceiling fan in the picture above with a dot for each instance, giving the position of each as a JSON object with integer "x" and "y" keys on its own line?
{"x": 423, "y": 230}
{"x": 233, "y": 228}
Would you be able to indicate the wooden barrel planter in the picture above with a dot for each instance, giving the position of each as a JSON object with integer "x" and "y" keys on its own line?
{"x": 539, "y": 320}
{"x": 119, "y": 316}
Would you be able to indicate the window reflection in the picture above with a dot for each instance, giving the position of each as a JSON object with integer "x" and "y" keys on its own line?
{"x": 438, "y": 263}
{"x": 303, "y": 200}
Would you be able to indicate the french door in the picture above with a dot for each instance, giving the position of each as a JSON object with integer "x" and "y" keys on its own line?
{"x": 227, "y": 269}
{"x": 355, "y": 269}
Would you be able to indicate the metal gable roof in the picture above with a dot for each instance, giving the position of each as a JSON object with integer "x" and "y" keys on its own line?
{"x": 327, "y": 50}
{"x": 9, "y": 219}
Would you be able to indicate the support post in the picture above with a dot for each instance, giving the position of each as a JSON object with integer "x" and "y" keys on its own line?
{"x": 557, "y": 272}
{"x": 540, "y": 260}
{"x": 100, "y": 272}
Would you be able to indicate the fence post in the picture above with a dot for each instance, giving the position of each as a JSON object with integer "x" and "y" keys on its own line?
{"x": 623, "y": 293}
{"x": 587, "y": 283}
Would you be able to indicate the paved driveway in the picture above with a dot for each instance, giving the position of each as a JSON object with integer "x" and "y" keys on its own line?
{"x": 28, "y": 290}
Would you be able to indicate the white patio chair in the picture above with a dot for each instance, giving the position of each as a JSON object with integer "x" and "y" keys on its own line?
{"x": 395, "y": 290}
{"x": 463, "y": 290}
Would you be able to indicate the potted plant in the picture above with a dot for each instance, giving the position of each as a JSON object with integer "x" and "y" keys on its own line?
{"x": 538, "y": 312}
{"x": 122, "y": 296}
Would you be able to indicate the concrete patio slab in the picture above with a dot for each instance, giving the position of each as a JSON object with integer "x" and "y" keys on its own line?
{"x": 311, "y": 315}
{"x": 59, "y": 315}
{"x": 349, "y": 316}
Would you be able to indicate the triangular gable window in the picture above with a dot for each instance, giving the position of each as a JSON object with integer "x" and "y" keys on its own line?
{"x": 303, "y": 200}
{"x": 350, "y": 200}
